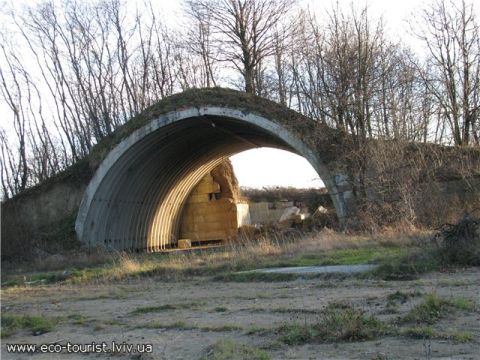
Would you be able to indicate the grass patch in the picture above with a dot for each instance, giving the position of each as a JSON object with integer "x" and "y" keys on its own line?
{"x": 427, "y": 332}
{"x": 397, "y": 297}
{"x": 403, "y": 297}
{"x": 292, "y": 310}
{"x": 430, "y": 310}
{"x": 35, "y": 279}
{"x": 336, "y": 324}
{"x": 77, "y": 319}
{"x": 254, "y": 276}
{"x": 434, "y": 307}
{"x": 182, "y": 325}
{"x": 257, "y": 330}
{"x": 177, "y": 325}
{"x": 227, "y": 349}
{"x": 221, "y": 328}
{"x": 325, "y": 248}
{"x": 355, "y": 256}
{"x": 166, "y": 307}
{"x": 115, "y": 293}
{"x": 220, "y": 309}
{"x": 35, "y": 324}
{"x": 463, "y": 303}
{"x": 407, "y": 266}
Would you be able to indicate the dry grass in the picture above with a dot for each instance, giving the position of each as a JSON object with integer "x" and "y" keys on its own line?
{"x": 275, "y": 249}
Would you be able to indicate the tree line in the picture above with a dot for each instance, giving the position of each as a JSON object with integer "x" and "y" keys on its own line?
{"x": 71, "y": 72}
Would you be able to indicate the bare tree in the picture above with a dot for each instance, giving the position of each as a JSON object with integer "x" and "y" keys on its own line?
{"x": 94, "y": 66}
{"x": 14, "y": 164}
{"x": 451, "y": 34}
{"x": 199, "y": 40}
{"x": 338, "y": 71}
{"x": 243, "y": 32}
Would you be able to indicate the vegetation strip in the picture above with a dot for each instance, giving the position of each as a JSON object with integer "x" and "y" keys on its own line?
{"x": 37, "y": 325}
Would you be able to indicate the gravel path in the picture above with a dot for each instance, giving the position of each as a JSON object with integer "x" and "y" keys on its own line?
{"x": 343, "y": 269}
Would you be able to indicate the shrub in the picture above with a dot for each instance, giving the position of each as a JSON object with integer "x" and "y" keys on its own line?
{"x": 460, "y": 243}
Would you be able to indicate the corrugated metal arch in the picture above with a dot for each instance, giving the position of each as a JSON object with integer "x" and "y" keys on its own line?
{"x": 136, "y": 196}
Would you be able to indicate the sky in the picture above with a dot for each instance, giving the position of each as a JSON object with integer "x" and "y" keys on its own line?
{"x": 273, "y": 167}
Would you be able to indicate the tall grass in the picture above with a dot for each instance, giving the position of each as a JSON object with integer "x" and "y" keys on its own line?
{"x": 269, "y": 250}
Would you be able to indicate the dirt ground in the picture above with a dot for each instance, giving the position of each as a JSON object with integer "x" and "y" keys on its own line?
{"x": 203, "y": 311}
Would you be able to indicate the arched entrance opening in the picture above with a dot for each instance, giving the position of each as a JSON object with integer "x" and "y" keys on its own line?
{"x": 134, "y": 200}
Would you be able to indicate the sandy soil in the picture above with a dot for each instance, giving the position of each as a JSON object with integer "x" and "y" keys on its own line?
{"x": 217, "y": 310}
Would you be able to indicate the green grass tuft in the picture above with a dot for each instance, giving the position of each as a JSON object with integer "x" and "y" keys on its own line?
{"x": 408, "y": 266}
{"x": 178, "y": 325}
{"x": 220, "y": 309}
{"x": 166, "y": 307}
{"x": 355, "y": 256}
{"x": 427, "y": 332}
{"x": 430, "y": 310}
{"x": 434, "y": 307}
{"x": 339, "y": 322}
{"x": 402, "y": 297}
{"x": 227, "y": 349}
{"x": 298, "y": 334}
{"x": 36, "y": 324}
{"x": 463, "y": 303}
{"x": 182, "y": 325}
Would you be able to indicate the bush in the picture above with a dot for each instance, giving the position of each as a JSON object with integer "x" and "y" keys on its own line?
{"x": 460, "y": 243}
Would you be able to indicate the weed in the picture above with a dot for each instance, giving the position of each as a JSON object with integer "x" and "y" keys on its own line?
{"x": 293, "y": 310}
{"x": 349, "y": 324}
{"x": 221, "y": 328}
{"x": 453, "y": 283}
{"x": 463, "y": 303}
{"x": 78, "y": 319}
{"x": 297, "y": 334}
{"x": 434, "y": 307}
{"x": 182, "y": 325}
{"x": 427, "y": 332}
{"x": 36, "y": 324}
{"x": 256, "y": 330}
{"x": 115, "y": 293}
{"x": 428, "y": 311}
{"x": 402, "y": 297}
{"x": 460, "y": 242}
{"x": 337, "y": 323}
{"x": 227, "y": 349}
{"x": 322, "y": 248}
{"x": 177, "y": 325}
{"x": 407, "y": 267}
{"x": 166, "y": 307}
{"x": 114, "y": 322}
{"x": 220, "y": 309}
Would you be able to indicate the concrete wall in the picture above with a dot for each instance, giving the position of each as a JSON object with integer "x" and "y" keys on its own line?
{"x": 243, "y": 214}
{"x": 43, "y": 219}
{"x": 267, "y": 212}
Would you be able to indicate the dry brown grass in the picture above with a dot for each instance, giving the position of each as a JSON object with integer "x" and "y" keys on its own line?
{"x": 263, "y": 251}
